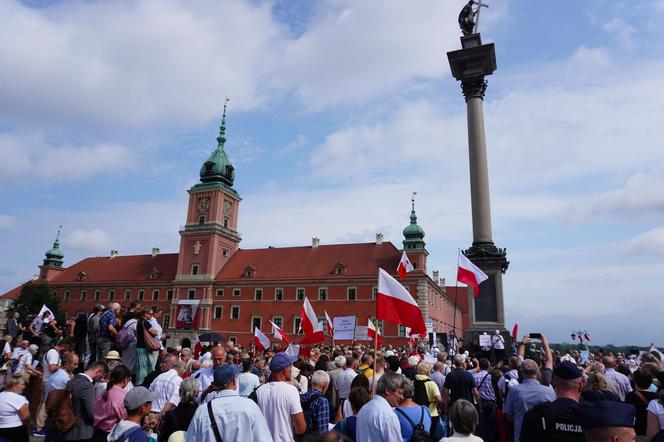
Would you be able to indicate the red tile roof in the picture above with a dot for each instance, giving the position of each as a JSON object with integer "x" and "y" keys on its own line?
{"x": 362, "y": 260}
{"x": 13, "y": 293}
{"x": 133, "y": 268}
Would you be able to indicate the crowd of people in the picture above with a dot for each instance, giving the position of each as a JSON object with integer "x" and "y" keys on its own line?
{"x": 108, "y": 376}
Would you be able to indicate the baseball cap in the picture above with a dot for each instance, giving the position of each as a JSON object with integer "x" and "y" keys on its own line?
{"x": 138, "y": 396}
{"x": 281, "y": 361}
{"x": 224, "y": 375}
{"x": 566, "y": 370}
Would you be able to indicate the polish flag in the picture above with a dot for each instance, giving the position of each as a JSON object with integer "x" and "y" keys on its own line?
{"x": 313, "y": 330}
{"x": 262, "y": 342}
{"x": 394, "y": 304}
{"x": 470, "y": 274}
{"x": 404, "y": 266}
{"x": 371, "y": 333}
{"x": 330, "y": 325}
{"x": 279, "y": 334}
{"x": 197, "y": 347}
{"x": 515, "y": 331}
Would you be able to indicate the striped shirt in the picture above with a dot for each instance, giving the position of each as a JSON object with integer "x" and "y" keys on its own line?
{"x": 484, "y": 385}
{"x": 168, "y": 386}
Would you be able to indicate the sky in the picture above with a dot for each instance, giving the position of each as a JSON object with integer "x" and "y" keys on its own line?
{"x": 338, "y": 111}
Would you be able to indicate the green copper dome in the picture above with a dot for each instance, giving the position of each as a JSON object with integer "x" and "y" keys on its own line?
{"x": 218, "y": 168}
{"x": 54, "y": 256}
{"x": 413, "y": 234}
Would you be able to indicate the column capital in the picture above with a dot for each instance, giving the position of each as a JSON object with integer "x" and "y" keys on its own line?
{"x": 474, "y": 87}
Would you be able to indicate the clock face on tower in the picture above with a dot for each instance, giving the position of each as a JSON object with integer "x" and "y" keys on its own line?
{"x": 203, "y": 204}
{"x": 227, "y": 208}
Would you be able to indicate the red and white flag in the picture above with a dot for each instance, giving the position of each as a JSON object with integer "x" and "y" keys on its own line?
{"x": 330, "y": 324}
{"x": 394, "y": 304}
{"x": 197, "y": 347}
{"x": 279, "y": 334}
{"x": 262, "y": 342}
{"x": 515, "y": 331}
{"x": 470, "y": 274}
{"x": 404, "y": 266}
{"x": 313, "y": 330}
{"x": 371, "y": 333}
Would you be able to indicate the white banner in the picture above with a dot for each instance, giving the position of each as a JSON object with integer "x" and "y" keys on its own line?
{"x": 362, "y": 333}
{"x": 485, "y": 340}
{"x": 344, "y": 328}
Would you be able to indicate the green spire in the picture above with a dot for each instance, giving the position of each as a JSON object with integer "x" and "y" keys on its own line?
{"x": 413, "y": 234}
{"x": 54, "y": 256}
{"x": 218, "y": 168}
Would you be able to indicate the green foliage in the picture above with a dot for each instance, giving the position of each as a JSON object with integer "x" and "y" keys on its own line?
{"x": 33, "y": 295}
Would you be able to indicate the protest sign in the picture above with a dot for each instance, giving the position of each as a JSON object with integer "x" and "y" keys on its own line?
{"x": 344, "y": 328}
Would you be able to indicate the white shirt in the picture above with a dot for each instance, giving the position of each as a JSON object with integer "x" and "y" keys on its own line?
{"x": 343, "y": 382}
{"x": 498, "y": 342}
{"x": 656, "y": 408}
{"x": 18, "y": 352}
{"x": 155, "y": 324}
{"x": 168, "y": 386}
{"x": 377, "y": 422}
{"x": 10, "y": 403}
{"x": 7, "y": 348}
{"x": 279, "y": 401}
{"x": 23, "y": 360}
{"x": 248, "y": 383}
{"x": 50, "y": 358}
{"x": 238, "y": 419}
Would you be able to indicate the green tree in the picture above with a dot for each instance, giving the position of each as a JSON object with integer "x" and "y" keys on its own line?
{"x": 33, "y": 295}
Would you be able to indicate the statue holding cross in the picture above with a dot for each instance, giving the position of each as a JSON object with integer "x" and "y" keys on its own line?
{"x": 469, "y": 17}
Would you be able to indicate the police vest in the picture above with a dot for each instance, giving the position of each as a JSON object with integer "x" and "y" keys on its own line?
{"x": 559, "y": 424}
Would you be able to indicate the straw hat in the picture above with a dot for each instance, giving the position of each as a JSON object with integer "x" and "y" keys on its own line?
{"x": 113, "y": 356}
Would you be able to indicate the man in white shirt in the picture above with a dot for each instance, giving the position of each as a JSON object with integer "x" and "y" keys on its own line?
{"x": 206, "y": 375}
{"x": 236, "y": 418}
{"x": 247, "y": 380}
{"x": 344, "y": 379}
{"x": 280, "y": 401}
{"x": 377, "y": 421}
{"x": 621, "y": 381}
{"x": 167, "y": 384}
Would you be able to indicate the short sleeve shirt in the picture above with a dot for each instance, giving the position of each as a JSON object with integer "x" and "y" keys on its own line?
{"x": 279, "y": 401}
{"x": 106, "y": 319}
{"x": 10, "y": 404}
{"x": 460, "y": 384}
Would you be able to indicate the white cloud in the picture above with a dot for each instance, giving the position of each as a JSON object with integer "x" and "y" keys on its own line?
{"x": 88, "y": 241}
{"x": 7, "y": 221}
{"x": 30, "y": 155}
{"x": 647, "y": 243}
{"x": 298, "y": 143}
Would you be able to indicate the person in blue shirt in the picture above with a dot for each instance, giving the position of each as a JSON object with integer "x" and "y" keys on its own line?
{"x": 409, "y": 412}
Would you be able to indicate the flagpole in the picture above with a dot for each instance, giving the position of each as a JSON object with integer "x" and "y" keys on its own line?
{"x": 375, "y": 353}
{"x": 456, "y": 292}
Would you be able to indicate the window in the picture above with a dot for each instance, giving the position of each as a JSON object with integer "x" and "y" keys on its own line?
{"x": 255, "y": 323}
{"x": 299, "y": 294}
{"x": 402, "y": 331}
{"x": 167, "y": 321}
{"x": 201, "y": 219}
{"x": 379, "y": 324}
{"x": 224, "y": 252}
{"x": 169, "y": 295}
{"x": 54, "y": 293}
{"x": 322, "y": 294}
{"x": 97, "y": 295}
{"x": 278, "y": 294}
{"x": 236, "y": 292}
{"x": 111, "y": 295}
{"x": 155, "y": 295}
{"x": 258, "y": 295}
{"x": 235, "y": 312}
{"x": 66, "y": 298}
{"x": 226, "y": 222}
{"x": 321, "y": 320}
{"x": 194, "y": 269}
{"x": 220, "y": 292}
{"x": 218, "y": 311}
{"x": 84, "y": 295}
{"x": 127, "y": 294}
{"x": 374, "y": 293}
{"x": 141, "y": 295}
{"x": 191, "y": 294}
{"x": 278, "y": 320}
{"x": 233, "y": 339}
{"x": 339, "y": 271}
{"x": 352, "y": 293}
{"x": 296, "y": 324}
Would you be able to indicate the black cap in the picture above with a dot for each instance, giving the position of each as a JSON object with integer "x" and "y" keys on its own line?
{"x": 567, "y": 371}
{"x": 597, "y": 414}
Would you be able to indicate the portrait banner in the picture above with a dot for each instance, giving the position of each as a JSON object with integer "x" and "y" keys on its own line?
{"x": 187, "y": 314}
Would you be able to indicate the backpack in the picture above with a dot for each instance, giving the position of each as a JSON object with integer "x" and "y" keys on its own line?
{"x": 123, "y": 339}
{"x": 420, "y": 396}
{"x": 60, "y": 410}
{"x": 419, "y": 433}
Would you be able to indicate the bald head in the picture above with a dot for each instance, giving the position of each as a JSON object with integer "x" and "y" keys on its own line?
{"x": 218, "y": 356}
{"x": 612, "y": 434}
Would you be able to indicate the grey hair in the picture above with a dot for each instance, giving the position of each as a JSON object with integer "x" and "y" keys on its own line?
{"x": 340, "y": 362}
{"x": 389, "y": 381}
{"x": 114, "y": 306}
{"x": 408, "y": 388}
{"x": 186, "y": 351}
{"x": 189, "y": 389}
{"x": 320, "y": 378}
{"x": 459, "y": 359}
{"x": 180, "y": 366}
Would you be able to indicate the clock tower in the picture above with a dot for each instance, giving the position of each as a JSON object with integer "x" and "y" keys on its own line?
{"x": 210, "y": 236}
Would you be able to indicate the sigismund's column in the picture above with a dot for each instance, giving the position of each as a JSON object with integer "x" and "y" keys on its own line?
{"x": 470, "y": 65}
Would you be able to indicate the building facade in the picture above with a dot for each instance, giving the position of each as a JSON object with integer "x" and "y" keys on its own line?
{"x": 235, "y": 289}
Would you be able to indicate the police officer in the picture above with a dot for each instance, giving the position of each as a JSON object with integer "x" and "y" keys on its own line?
{"x": 608, "y": 421}
{"x": 560, "y": 420}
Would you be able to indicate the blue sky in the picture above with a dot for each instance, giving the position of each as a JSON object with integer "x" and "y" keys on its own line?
{"x": 339, "y": 110}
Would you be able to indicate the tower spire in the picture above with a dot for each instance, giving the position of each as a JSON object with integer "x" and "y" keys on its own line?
{"x": 413, "y": 234}
{"x": 221, "y": 139}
